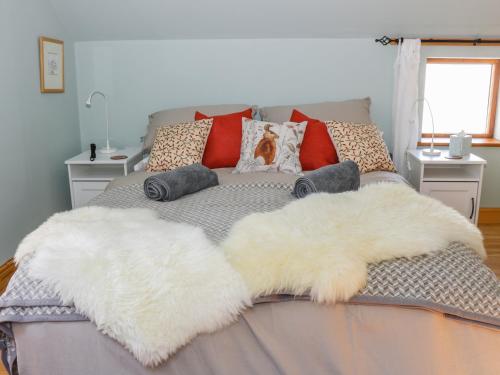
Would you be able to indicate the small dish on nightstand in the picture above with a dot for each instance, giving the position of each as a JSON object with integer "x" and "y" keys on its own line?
{"x": 119, "y": 157}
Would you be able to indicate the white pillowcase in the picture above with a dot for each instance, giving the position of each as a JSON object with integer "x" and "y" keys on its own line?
{"x": 142, "y": 164}
{"x": 270, "y": 147}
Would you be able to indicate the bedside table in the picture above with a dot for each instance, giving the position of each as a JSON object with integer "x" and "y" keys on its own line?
{"x": 87, "y": 179}
{"x": 455, "y": 182}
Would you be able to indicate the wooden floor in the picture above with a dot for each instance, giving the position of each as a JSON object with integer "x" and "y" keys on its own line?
{"x": 491, "y": 234}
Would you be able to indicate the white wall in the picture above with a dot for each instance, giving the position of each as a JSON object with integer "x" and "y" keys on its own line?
{"x": 38, "y": 131}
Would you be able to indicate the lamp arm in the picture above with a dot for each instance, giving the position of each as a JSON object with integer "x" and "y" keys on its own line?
{"x": 106, "y": 110}
{"x": 432, "y": 120}
{"x": 431, "y": 151}
{"x": 107, "y": 122}
{"x": 95, "y": 92}
{"x": 424, "y": 100}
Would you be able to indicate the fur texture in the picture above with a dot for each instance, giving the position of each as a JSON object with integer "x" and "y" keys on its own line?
{"x": 324, "y": 242}
{"x": 153, "y": 285}
{"x": 150, "y": 284}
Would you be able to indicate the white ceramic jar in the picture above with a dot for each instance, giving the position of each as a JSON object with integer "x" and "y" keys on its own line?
{"x": 460, "y": 144}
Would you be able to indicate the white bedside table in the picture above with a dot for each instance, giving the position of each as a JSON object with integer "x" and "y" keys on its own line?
{"x": 455, "y": 182}
{"x": 87, "y": 179}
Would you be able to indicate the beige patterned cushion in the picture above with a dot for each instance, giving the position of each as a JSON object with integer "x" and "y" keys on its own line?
{"x": 361, "y": 143}
{"x": 178, "y": 145}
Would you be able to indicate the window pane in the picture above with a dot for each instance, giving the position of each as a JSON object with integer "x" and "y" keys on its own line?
{"x": 459, "y": 97}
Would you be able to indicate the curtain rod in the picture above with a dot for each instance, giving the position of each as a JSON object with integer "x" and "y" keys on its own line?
{"x": 385, "y": 40}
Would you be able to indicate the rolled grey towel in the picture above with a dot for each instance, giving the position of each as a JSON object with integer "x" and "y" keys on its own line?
{"x": 171, "y": 185}
{"x": 335, "y": 178}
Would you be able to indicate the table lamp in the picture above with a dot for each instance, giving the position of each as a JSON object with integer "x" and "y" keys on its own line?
{"x": 429, "y": 151}
{"x": 108, "y": 149}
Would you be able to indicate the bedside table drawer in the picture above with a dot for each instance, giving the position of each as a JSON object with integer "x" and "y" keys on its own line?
{"x": 462, "y": 196}
{"x": 86, "y": 190}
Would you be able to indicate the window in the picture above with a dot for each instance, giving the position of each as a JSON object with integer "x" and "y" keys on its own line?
{"x": 463, "y": 95}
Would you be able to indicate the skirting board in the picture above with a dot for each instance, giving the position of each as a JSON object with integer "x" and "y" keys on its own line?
{"x": 6, "y": 271}
{"x": 489, "y": 215}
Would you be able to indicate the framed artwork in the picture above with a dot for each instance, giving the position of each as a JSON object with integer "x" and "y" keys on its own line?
{"x": 51, "y": 65}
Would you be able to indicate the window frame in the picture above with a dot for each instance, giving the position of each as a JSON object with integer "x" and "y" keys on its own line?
{"x": 493, "y": 96}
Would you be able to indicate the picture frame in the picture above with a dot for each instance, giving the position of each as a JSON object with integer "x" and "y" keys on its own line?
{"x": 51, "y": 65}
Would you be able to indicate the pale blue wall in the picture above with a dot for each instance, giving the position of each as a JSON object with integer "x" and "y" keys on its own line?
{"x": 38, "y": 132}
{"x": 142, "y": 77}
{"x": 145, "y": 76}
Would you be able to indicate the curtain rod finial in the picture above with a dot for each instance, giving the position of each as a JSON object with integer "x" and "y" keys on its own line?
{"x": 385, "y": 40}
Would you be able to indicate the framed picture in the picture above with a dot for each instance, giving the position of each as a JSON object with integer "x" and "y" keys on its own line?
{"x": 51, "y": 65}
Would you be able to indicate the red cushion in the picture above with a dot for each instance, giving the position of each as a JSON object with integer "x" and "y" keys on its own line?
{"x": 224, "y": 141}
{"x": 317, "y": 148}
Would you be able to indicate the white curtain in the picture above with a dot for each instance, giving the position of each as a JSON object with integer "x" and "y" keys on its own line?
{"x": 405, "y": 124}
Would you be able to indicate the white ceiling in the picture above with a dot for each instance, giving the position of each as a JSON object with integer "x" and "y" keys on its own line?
{"x": 198, "y": 19}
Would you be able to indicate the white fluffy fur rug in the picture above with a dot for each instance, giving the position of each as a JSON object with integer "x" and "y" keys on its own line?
{"x": 154, "y": 285}
{"x": 150, "y": 284}
{"x": 324, "y": 242}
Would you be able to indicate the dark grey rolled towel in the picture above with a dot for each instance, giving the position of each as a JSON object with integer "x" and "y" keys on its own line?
{"x": 171, "y": 185}
{"x": 335, "y": 178}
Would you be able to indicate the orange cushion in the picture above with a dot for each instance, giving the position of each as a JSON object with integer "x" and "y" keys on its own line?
{"x": 317, "y": 148}
{"x": 224, "y": 142}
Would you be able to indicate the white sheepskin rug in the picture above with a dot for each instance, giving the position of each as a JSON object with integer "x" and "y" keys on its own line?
{"x": 150, "y": 284}
{"x": 322, "y": 244}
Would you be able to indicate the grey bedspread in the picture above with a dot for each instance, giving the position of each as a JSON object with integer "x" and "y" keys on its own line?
{"x": 454, "y": 281}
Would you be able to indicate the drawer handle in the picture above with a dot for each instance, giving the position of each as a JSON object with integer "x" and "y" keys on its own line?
{"x": 473, "y": 207}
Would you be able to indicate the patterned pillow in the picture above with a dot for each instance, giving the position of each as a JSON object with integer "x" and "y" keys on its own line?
{"x": 178, "y": 145}
{"x": 361, "y": 143}
{"x": 270, "y": 147}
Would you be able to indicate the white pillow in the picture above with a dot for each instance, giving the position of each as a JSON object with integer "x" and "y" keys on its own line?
{"x": 270, "y": 147}
{"x": 142, "y": 164}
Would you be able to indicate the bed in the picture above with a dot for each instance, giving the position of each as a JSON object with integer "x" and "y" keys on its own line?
{"x": 410, "y": 318}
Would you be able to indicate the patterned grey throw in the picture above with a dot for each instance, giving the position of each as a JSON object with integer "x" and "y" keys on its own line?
{"x": 453, "y": 281}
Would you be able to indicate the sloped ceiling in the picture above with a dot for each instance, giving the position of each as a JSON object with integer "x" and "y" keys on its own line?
{"x": 211, "y": 19}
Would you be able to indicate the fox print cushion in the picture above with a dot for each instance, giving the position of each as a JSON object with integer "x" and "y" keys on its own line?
{"x": 362, "y": 143}
{"x": 270, "y": 147}
{"x": 178, "y": 145}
